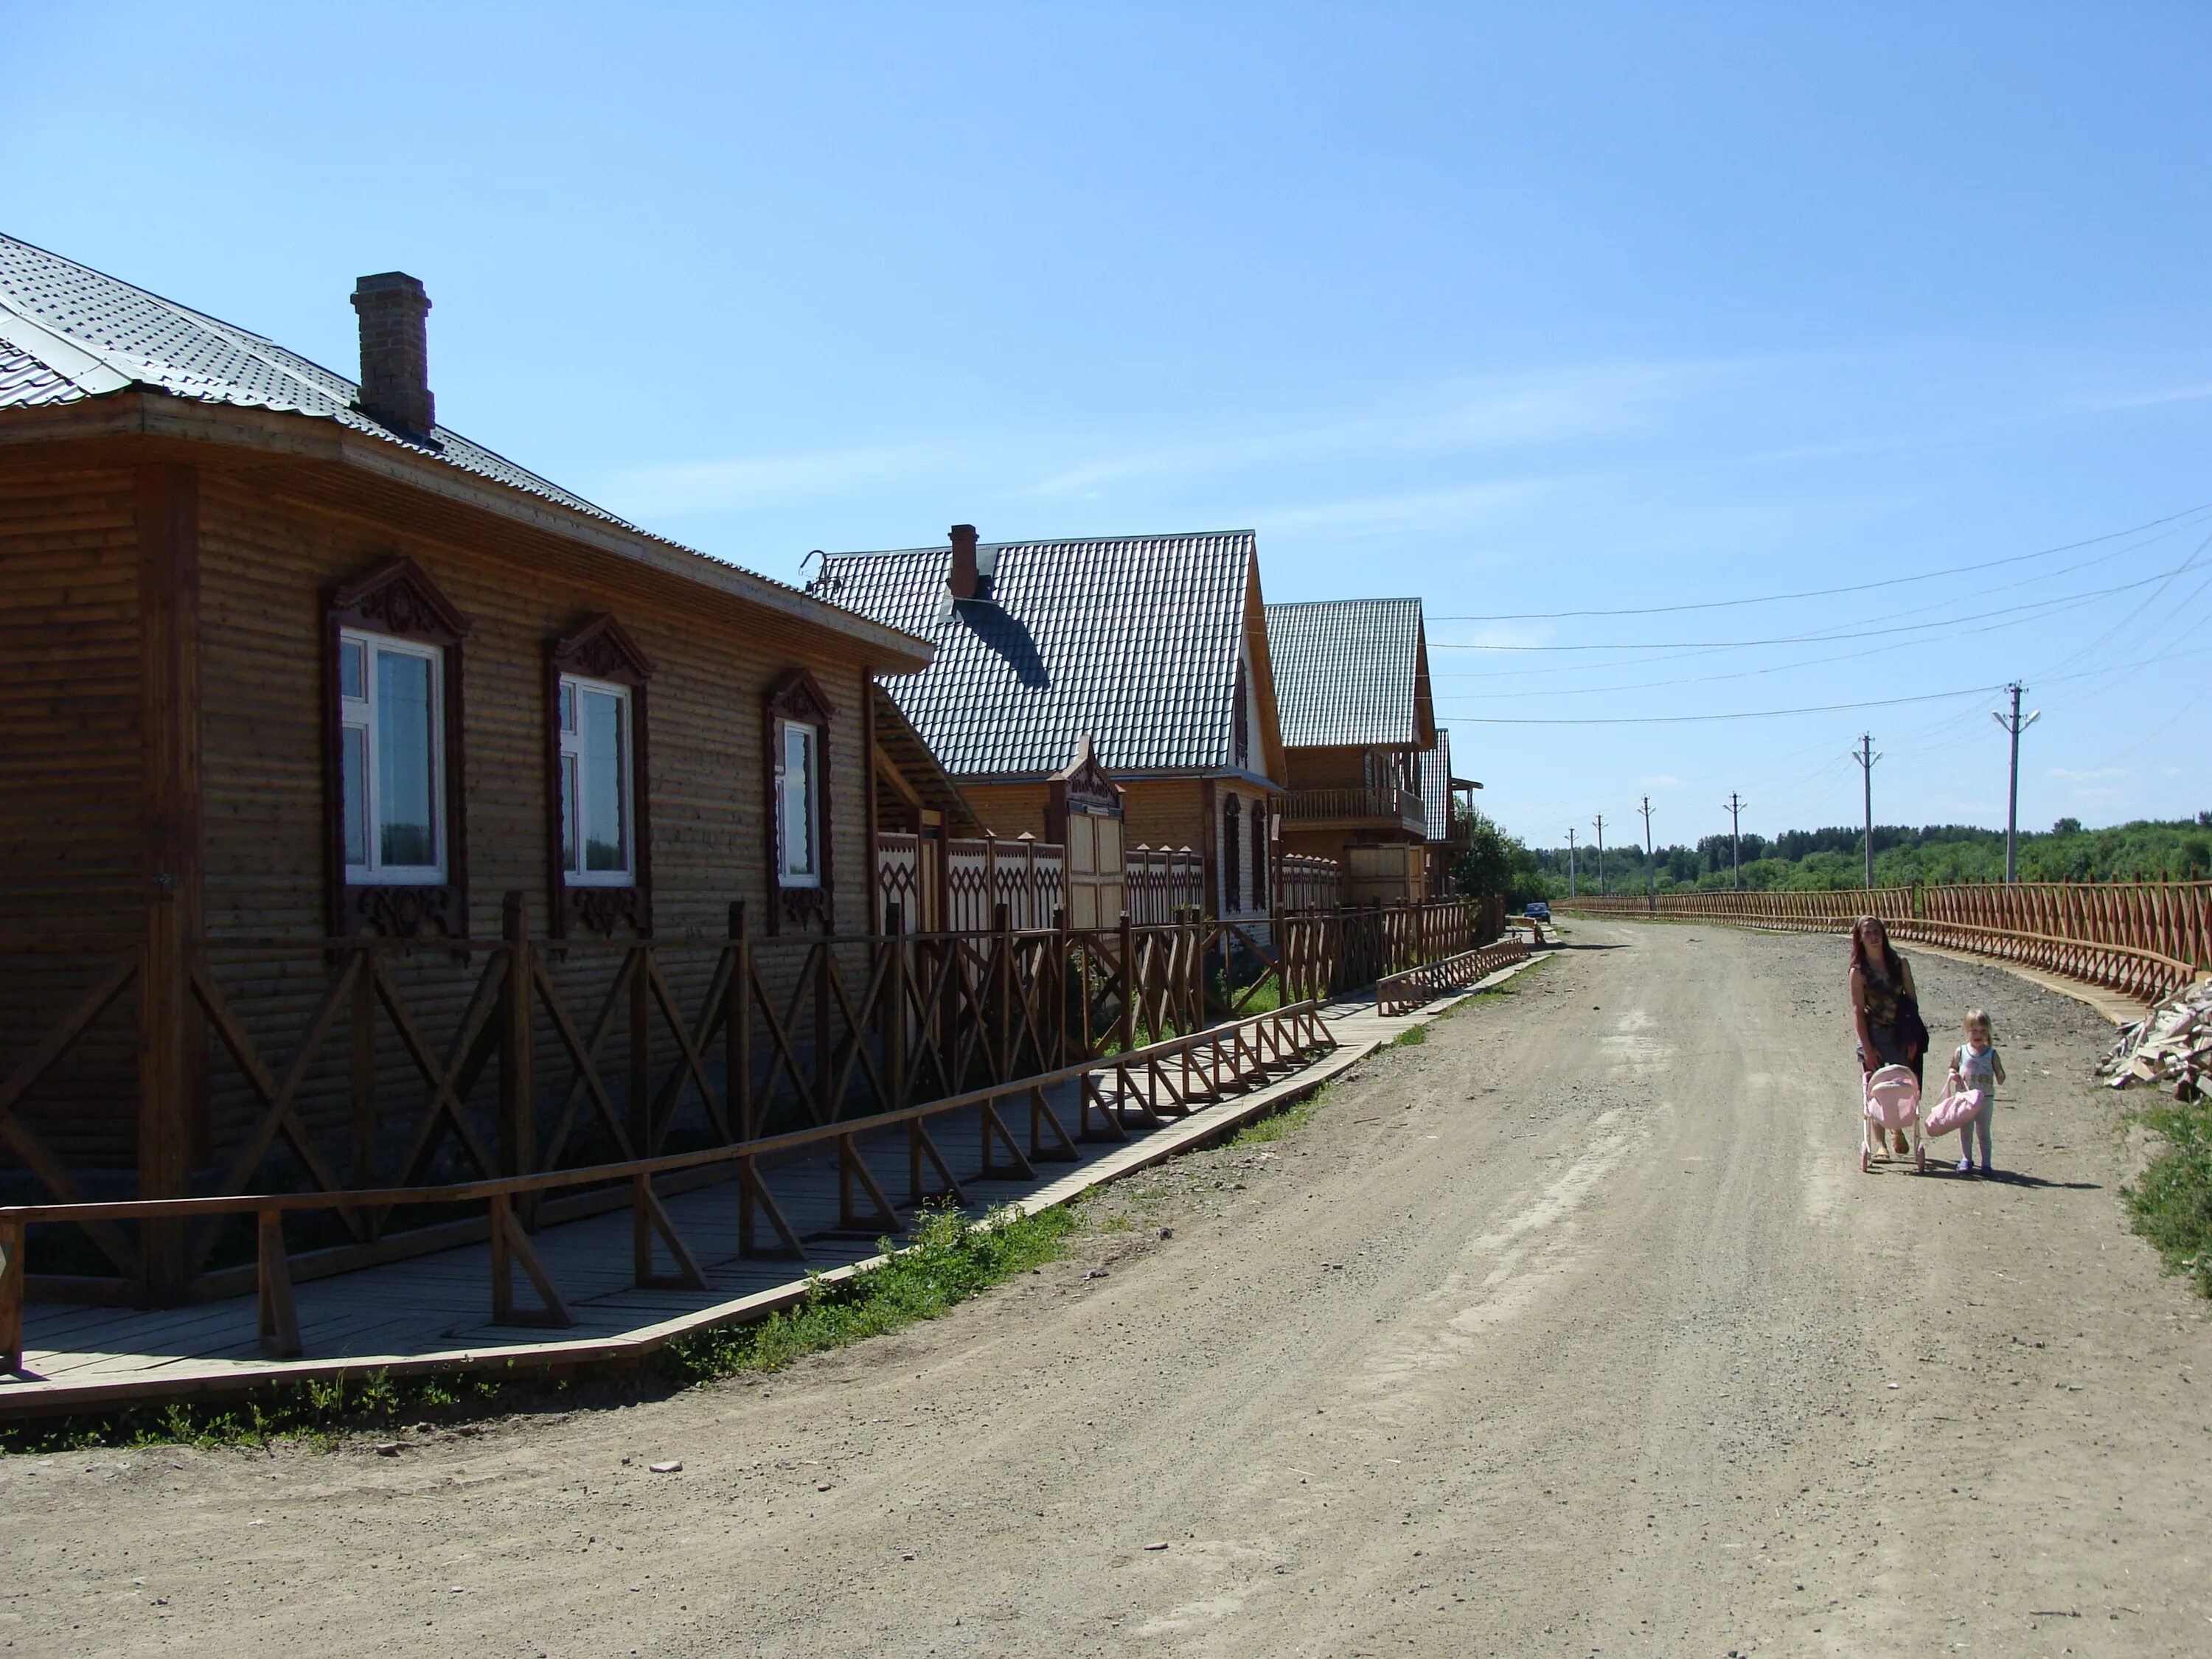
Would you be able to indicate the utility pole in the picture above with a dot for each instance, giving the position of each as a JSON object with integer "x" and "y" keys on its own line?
{"x": 2015, "y": 726}
{"x": 1735, "y": 841}
{"x": 1866, "y": 757}
{"x": 1651, "y": 896}
{"x": 1600, "y": 821}
{"x": 1570, "y": 860}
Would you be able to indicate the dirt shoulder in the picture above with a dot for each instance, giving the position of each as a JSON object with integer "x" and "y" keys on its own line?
{"x": 1572, "y": 1328}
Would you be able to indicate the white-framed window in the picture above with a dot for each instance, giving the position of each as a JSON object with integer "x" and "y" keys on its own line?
{"x": 392, "y": 759}
{"x": 599, "y": 838}
{"x": 798, "y": 802}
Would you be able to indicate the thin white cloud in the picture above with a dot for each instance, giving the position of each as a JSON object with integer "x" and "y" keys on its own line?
{"x": 1412, "y": 511}
{"x": 2090, "y": 774}
{"x": 752, "y": 481}
{"x": 1541, "y": 406}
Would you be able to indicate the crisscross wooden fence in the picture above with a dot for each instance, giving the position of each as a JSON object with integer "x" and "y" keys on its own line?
{"x": 367, "y": 1063}
{"x": 1403, "y": 992}
{"x": 1145, "y": 1086}
{"x": 2144, "y": 939}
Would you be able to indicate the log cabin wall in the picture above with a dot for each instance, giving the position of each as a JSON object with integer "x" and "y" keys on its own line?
{"x": 71, "y": 770}
{"x": 266, "y": 564}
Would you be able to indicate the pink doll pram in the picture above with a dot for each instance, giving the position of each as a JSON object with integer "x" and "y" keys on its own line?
{"x": 1959, "y": 1107}
{"x": 1893, "y": 1103}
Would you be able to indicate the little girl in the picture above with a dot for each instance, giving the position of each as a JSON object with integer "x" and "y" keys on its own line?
{"x": 1977, "y": 1066}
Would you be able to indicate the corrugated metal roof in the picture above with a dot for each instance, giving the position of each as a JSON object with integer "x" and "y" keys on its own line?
{"x": 1130, "y": 640}
{"x": 69, "y": 333}
{"x": 1348, "y": 671}
{"x": 54, "y": 310}
{"x": 1435, "y": 787}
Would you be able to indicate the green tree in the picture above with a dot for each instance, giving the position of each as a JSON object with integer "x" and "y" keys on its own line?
{"x": 1495, "y": 862}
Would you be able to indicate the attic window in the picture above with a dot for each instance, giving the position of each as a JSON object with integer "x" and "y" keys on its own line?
{"x": 1243, "y": 717}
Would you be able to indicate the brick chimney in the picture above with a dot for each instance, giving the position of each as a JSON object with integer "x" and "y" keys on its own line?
{"x": 964, "y": 581}
{"x": 395, "y": 353}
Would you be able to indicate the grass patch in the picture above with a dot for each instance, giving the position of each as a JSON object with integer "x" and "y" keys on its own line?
{"x": 1276, "y": 1126}
{"x": 1412, "y": 1037}
{"x": 316, "y": 1413}
{"x": 2172, "y": 1204}
{"x": 949, "y": 1260}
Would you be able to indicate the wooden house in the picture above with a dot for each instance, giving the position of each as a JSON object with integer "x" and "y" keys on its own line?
{"x": 289, "y": 658}
{"x": 1152, "y": 648}
{"x": 1358, "y": 723}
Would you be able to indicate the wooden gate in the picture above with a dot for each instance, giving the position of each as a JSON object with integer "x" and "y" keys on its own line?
{"x": 1084, "y": 814}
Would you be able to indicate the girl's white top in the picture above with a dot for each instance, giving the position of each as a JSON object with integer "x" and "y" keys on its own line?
{"x": 1978, "y": 1069}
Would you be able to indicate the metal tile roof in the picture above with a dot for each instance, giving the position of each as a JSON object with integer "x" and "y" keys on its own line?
{"x": 1348, "y": 671}
{"x": 1435, "y": 787}
{"x": 91, "y": 334}
{"x": 69, "y": 333}
{"x": 1131, "y": 640}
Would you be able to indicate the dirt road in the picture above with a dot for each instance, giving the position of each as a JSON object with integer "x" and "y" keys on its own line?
{"x": 1572, "y": 1330}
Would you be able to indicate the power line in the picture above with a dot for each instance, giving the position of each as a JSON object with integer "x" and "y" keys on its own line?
{"x": 1832, "y": 636}
{"x": 1742, "y": 714}
{"x": 1829, "y": 593}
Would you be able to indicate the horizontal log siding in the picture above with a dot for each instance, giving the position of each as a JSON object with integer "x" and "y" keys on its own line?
{"x": 70, "y": 830}
{"x": 264, "y": 567}
{"x": 70, "y": 765}
{"x": 1008, "y": 810}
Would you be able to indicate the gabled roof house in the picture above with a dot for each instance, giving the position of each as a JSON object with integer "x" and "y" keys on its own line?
{"x": 1358, "y": 719}
{"x": 289, "y": 659}
{"x": 1154, "y": 647}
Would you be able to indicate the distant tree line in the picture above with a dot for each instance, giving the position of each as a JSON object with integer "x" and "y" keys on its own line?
{"x": 2179, "y": 850}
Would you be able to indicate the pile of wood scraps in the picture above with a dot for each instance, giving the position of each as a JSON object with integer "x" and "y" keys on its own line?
{"x": 2173, "y": 1047}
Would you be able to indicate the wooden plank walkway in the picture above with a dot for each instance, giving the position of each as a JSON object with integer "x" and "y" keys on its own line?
{"x": 433, "y": 1312}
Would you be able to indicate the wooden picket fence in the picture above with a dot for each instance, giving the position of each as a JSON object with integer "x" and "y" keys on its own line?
{"x": 2144, "y": 939}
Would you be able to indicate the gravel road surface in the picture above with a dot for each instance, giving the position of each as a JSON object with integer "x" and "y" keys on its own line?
{"x": 1574, "y": 1329}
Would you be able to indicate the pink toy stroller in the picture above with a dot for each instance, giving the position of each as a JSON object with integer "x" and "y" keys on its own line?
{"x": 1893, "y": 1103}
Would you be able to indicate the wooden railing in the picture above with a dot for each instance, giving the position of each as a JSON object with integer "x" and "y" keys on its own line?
{"x": 2144, "y": 939}
{"x": 1403, "y": 992}
{"x": 334, "y": 1065}
{"x": 1373, "y": 803}
{"x": 1149, "y": 1084}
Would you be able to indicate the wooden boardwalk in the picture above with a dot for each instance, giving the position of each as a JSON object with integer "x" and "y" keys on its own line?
{"x": 433, "y": 1312}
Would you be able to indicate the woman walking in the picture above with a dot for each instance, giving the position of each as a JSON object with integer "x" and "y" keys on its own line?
{"x": 1885, "y": 1006}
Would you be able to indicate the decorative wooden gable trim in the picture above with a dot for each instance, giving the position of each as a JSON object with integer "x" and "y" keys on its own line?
{"x": 798, "y": 696}
{"x": 599, "y": 648}
{"x": 1083, "y": 787}
{"x": 399, "y": 599}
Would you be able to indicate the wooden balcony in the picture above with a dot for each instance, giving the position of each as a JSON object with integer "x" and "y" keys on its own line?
{"x": 1381, "y": 807}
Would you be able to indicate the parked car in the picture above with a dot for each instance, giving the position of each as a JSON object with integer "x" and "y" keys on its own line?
{"x": 1537, "y": 910}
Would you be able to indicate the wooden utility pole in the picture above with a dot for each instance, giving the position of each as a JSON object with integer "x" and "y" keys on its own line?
{"x": 1650, "y": 891}
{"x": 1735, "y": 805}
{"x": 1600, "y": 821}
{"x": 1866, "y": 757}
{"x": 2015, "y": 726}
{"x": 1570, "y": 860}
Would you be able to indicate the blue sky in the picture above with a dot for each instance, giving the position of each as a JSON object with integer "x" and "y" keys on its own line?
{"x": 1522, "y": 310}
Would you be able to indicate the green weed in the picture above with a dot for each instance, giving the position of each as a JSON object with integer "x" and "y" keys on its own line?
{"x": 950, "y": 1260}
{"x": 2172, "y": 1204}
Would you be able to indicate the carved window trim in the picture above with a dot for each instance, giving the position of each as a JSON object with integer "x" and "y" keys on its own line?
{"x": 400, "y": 600}
{"x": 1232, "y": 856}
{"x": 1258, "y": 855}
{"x": 798, "y": 696}
{"x": 600, "y": 649}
